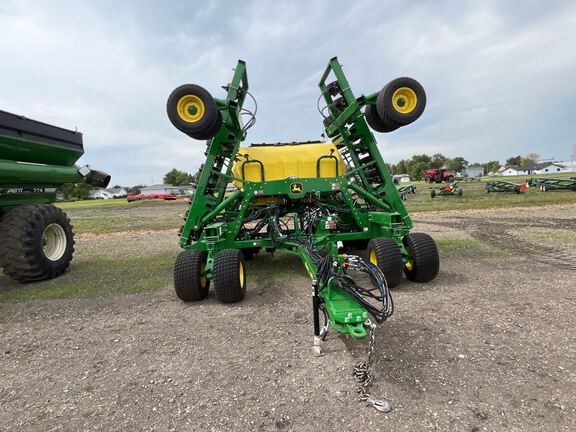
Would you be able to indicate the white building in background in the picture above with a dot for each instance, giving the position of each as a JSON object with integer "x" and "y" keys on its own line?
{"x": 161, "y": 189}
{"x": 550, "y": 168}
{"x": 168, "y": 189}
{"x": 513, "y": 171}
{"x": 401, "y": 178}
{"x": 108, "y": 193}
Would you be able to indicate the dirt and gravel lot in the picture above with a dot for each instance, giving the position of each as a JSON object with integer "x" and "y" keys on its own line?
{"x": 489, "y": 345}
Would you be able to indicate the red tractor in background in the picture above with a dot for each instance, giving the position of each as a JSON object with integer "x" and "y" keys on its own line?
{"x": 438, "y": 175}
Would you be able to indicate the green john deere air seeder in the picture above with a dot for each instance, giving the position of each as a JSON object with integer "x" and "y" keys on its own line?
{"x": 36, "y": 238}
{"x": 312, "y": 199}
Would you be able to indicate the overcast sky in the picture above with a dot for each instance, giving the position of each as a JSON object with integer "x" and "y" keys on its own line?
{"x": 500, "y": 76}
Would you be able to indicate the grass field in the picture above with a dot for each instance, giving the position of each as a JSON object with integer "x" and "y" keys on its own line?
{"x": 130, "y": 247}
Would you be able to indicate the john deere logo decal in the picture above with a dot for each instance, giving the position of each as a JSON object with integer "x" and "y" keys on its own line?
{"x": 296, "y": 188}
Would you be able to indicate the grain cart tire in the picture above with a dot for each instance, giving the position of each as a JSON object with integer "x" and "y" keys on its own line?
{"x": 190, "y": 283}
{"x": 36, "y": 242}
{"x": 385, "y": 253}
{"x": 376, "y": 123}
{"x": 229, "y": 276}
{"x": 433, "y": 193}
{"x": 192, "y": 110}
{"x": 401, "y": 101}
{"x": 424, "y": 262}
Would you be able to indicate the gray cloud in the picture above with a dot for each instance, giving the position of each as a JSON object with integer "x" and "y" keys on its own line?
{"x": 500, "y": 76}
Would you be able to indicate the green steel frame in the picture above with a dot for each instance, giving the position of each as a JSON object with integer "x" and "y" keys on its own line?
{"x": 215, "y": 220}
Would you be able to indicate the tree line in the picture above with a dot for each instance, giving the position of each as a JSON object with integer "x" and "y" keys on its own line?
{"x": 418, "y": 163}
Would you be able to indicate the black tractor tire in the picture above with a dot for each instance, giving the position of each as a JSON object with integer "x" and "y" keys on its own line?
{"x": 229, "y": 276}
{"x": 36, "y": 242}
{"x": 376, "y": 123}
{"x": 189, "y": 282}
{"x": 449, "y": 179}
{"x": 385, "y": 253}
{"x": 425, "y": 261}
{"x": 573, "y": 187}
{"x": 517, "y": 189}
{"x": 206, "y": 120}
{"x": 433, "y": 193}
{"x": 387, "y": 104}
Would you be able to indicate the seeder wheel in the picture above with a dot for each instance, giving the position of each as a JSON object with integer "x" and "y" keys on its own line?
{"x": 385, "y": 253}
{"x": 376, "y": 123}
{"x": 190, "y": 282}
{"x": 424, "y": 262}
{"x": 229, "y": 276}
{"x": 192, "y": 110}
{"x": 401, "y": 101}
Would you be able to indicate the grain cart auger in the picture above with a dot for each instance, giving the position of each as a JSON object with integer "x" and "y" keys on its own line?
{"x": 36, "y": 238}
{"x": 308, "y": 199}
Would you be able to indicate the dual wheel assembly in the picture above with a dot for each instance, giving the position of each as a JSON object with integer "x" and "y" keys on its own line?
{"x": 422, "y": 264}
{"x": 36, "y": 242}
{"x": 401, "y": 102}
{"x": 193, "y": 111}
{"x": 228, "y": 276}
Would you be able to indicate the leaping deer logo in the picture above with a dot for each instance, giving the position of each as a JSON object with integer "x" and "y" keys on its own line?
{"x": 296, "y": 188}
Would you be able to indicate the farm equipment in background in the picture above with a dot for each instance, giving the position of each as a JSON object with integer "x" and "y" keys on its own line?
{"x": 307, "y": 199}
{"x": 36, "y": 238}
{"x": 438, "y": 175}
{"x": 164, "y": 196}
{"x": 502, "y": 186}
{"x": 550, "y": 184}
{"x": 404, "y": 190}
{"x": 451, "y": 189}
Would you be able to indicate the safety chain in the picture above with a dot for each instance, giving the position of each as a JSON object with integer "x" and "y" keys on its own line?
{"x": 363, "y": 374}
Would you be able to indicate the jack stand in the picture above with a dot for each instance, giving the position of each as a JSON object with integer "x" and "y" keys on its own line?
{"x": 317, "y": 348}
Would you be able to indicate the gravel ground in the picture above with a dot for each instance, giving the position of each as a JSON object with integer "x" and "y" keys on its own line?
{"x": 489, "y": 345}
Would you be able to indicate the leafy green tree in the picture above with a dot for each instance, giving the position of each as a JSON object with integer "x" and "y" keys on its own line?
{"x": 516, "y": 160}
{"x": 491, "y": 166}
{"x": 177, "y": 178}
{"x": 457, "y": 164}
{"x": 76, "y": 190}
{"x": 438, "y": 160}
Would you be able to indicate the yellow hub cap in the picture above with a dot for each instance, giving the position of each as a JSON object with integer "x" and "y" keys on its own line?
{"x": 410, "y": 264}
{"x": 203, "y": 279}
{"x": 241, "y": 270}
{"x": 190, "y": 108}
{"x": 404, "y": 100}
{"x": 373, "y": 258}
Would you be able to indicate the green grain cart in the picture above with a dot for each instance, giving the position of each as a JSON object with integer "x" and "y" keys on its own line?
{"x": 36, "y": 238}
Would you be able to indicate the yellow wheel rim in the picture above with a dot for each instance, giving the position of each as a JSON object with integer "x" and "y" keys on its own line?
{"x": 373, "y": 258}
{"x": 241, "y": 275}
{"x": 190, "y": 108}
{"x": 203, "y": 279}
{"x": 404, "y": 100}
{"x": 410, "y": 264}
